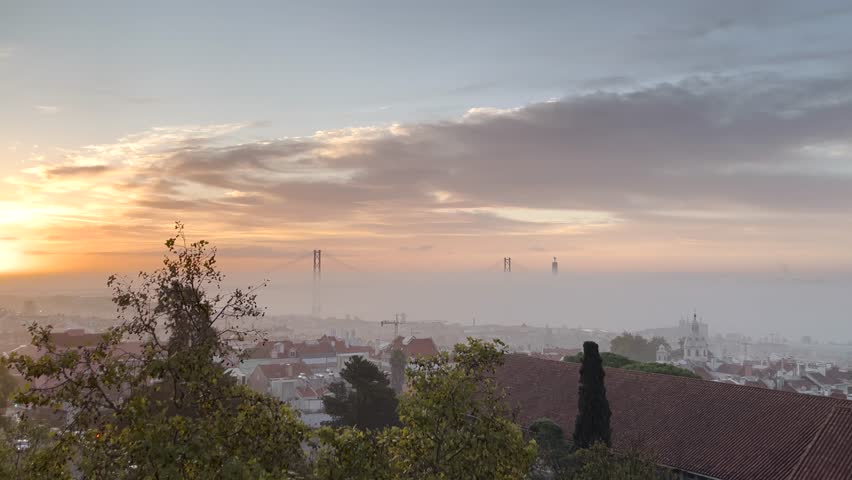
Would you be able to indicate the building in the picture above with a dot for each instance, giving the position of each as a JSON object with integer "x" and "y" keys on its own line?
{"x": 321, "y": 356}
{"x": 412, "y": 347}
{"x": 662, "y": 354}
{"x": 697, "y": 429}
{"x": 696, "y": 348}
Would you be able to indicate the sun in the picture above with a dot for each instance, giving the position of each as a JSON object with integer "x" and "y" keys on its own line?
{"x": 10, "y": 258}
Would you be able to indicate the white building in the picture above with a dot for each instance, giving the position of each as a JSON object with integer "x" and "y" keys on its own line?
{"x": 695, "y": 346}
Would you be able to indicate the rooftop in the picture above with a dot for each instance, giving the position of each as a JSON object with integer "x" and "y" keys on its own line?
{"x": 721, "y": 430}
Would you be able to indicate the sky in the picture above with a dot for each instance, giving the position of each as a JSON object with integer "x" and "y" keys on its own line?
{"x": 623, "y": 137}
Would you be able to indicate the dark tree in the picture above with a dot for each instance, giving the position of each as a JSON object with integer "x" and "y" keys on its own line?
{"x": 592, "y": 423}
{"x": 365, "y": 401}
{"x": 610, "y": 360}
{"x": 397, "y": 362}
{"x": 554, "y": 454}
{"x": 636, "y": 347}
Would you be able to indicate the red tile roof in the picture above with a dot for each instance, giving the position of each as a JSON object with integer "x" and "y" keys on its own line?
{"x": 725, "y": 431}
{"x": 324, "y": 347}
{"x": 827, "y": 456}
{"x": 287, "y": 370}
{"x": 730, "y": 369}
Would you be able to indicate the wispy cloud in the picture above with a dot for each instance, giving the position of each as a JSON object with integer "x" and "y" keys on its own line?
{"x": 48, "y": 109}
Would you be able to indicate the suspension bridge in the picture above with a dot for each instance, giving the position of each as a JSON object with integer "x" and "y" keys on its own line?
{"x": 321, "y": 259}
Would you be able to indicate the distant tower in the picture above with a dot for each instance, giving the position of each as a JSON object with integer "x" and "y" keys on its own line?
{"x": 554, "y": 267}
{"x": 316, "y": 308}
{"x": 695, "y": 346}
{"x": 662, "y": 354}
{"x": 507, "y": 264}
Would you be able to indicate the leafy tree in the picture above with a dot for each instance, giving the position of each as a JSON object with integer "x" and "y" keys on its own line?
{"x": 663, "y": 369}
{"x": 352, "y": 454}
{"x": 367, "y": 402}
{"x": 610, "y": 360}
{"x": 599, "y": 463}
{"x": 8, "y": 384}
{"x": 613, "y": 360}
{"x": 555, "y": 460}
{"x": 636, "y": 347}
{"x": 454, "y": 421}
{"x": 592, "y": 422}
{"x": 26, "y": 452}
{"x": 166, "y": 408}
{"x": 397, "y": 362}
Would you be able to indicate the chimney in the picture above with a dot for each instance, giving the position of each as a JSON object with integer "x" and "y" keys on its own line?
{"x": 289, "y": 369}
{"x": 747, "y": 371}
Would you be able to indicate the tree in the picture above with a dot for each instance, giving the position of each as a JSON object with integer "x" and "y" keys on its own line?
{"x": 368, "y": 402}
{"x": 610, "y": 360}
{"x": 26, "y": 453}
{"x": 636, "y": 347}
{"x": 397, "y": 362}
{"x": 592, "y": 422}
{"x": 165, "y": 408}
{"x": 8, "y": 384}
{"x": 599, "y": 463}
{"x": 554, "y": 452}
{"x": 352, "y": 454}
{"x": 662, "y": 369}
{"x": 455, "y": 422}
{"x": 613, "y": 360}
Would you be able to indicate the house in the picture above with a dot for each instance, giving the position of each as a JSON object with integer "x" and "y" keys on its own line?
{"x": 412, "y": 347}
{"x": 279, "y": 380}
{"x": 698, "y": 429}
{"x": 320, "y": 355}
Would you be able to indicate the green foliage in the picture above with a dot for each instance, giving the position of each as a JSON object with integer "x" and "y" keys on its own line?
{"x": 455, "y": 423}
{"x": 663, "y": 369}
{"x": 598, "y": 463}
{"x": 555, "y": 461}
{"x": 398, "y": 362}
{"x": 636, "y": 347}
{"x": 367, "y": 402}
{"x": 352, "y": 454}
{"x": 592, "y": 422}
{"x": 8, "y": 384}
{"x": 613, "y": 360}
{"x": 610, "y": 360}
{"x": 165, "y": 409}
{"x": 28, "y": 451}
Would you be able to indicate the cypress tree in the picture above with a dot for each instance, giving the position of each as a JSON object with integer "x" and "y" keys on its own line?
{"x": 592, "y": 422}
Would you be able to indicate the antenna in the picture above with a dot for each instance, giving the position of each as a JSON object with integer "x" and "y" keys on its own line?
{"x": 398, "y": 319}
{"x": 316, "y": 308}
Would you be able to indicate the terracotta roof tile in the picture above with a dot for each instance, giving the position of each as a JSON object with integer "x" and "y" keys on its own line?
{"x": 286, "y": 370}
{"x": 827, "y": 456}
{"x": 724, "y": 431}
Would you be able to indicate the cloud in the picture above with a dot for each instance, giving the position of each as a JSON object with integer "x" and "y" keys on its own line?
{"x": 758, "y": 152}
{"x": 418, "y": 248}
{"x": 48, "y": 109}
{"x": 74, "y": 171}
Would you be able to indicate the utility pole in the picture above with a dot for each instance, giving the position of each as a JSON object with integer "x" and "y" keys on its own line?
{"x": 398, "y": 319}
{"x": 316, "y": 309}
{"x": 507, "y": 264}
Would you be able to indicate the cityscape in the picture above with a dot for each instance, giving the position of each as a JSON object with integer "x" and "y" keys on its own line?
{"x": 478, "y": 240}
